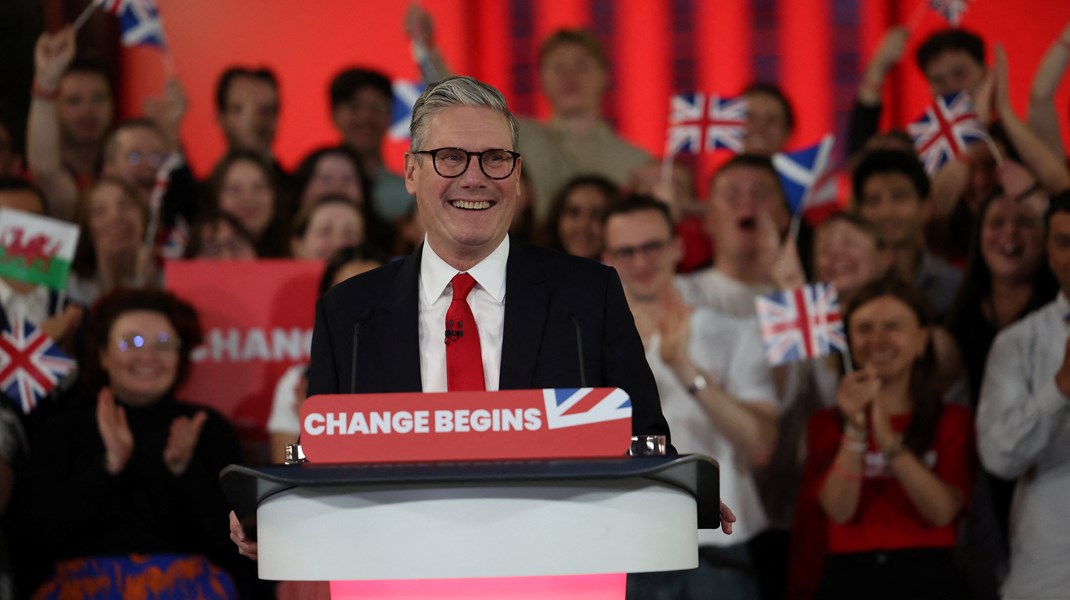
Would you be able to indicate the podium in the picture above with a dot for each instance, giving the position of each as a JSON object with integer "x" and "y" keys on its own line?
{"x": 485, "y": 519}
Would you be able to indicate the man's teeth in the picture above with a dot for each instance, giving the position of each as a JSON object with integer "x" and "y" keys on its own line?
{"x": 471, "y": 204}
{"x": 1011, "y": 250}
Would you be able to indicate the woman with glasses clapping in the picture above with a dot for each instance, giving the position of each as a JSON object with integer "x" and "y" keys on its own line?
{"x": 123, "y": 490}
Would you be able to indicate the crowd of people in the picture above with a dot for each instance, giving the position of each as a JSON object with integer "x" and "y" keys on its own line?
{"x": 928, "y": 463}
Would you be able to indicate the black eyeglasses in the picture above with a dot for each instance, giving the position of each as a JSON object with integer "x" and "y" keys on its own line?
{"x": 652, "y": 248}
{"x": 453, "y": 162}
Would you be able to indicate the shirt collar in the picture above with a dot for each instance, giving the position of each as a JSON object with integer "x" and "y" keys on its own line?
{"x": 489, "y": 273}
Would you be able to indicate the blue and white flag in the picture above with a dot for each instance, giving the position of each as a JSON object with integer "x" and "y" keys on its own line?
{"x": 806, "y": 175}
{"x": 406, "y": 93}
{"x": 139, "y": 22}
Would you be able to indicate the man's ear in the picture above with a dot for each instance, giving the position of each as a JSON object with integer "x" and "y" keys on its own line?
{"x": 410, "y": 173}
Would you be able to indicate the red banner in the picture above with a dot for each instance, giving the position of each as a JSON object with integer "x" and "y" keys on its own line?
{"x": 257, "y": 318}
{"x": 505, "y": 425}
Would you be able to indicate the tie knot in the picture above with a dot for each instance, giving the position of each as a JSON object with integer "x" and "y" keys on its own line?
{"x": 462, "y": 284}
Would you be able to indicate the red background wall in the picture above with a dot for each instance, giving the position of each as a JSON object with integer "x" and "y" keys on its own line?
{"x": 814, "y": 49}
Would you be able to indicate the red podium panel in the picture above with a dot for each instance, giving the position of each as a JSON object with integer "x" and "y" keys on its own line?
{"x": 458, "y": 426}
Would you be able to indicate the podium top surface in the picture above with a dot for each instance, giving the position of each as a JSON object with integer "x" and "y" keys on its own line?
{"x": 246, "y": 487}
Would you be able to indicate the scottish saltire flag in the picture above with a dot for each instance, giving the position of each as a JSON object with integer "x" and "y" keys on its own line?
{"x": 31, "y": 364}
{"x": 583, "y": 406}
{"x": 800, "y": 324}
{"x": 139, "y": 22}
{"x": 942, "y": 133}
{"x": 405, "y": 95}
{"x": 36, "y": 249}
{"x": 950, "y": 9}
{"x": 806, "y": 175}
{"x": 696, "y": 125}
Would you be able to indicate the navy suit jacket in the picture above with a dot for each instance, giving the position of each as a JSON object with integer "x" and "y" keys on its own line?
{"x": 545, "y": 290}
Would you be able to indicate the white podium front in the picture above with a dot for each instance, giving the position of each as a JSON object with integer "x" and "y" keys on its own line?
{"x": 484, "y": 519}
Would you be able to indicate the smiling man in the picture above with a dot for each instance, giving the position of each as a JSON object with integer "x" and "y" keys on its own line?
{"x": 524, "y": 308}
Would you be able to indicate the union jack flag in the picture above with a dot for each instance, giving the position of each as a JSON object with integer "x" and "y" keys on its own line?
{"x": 31, "y": 364}
{"x": 139, "y": 22}
{"x": 697, "y": 126}
{"x": 583, "y": 406}
{"x": 950, "y": 9}
{"x": 943, "y": 131}
{"x": 801, "y": 323}
{"x": 405, "y": 95}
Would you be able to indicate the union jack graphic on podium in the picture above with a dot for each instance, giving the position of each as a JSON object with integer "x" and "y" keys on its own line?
{"x": 138, "y": 20}
{"x": 31, "y": 364}
{"x": 696, "y": 126}
{"x": 942, "y": 133}
{"x": 583, "y": 406}
{"x": 800, "y": 324}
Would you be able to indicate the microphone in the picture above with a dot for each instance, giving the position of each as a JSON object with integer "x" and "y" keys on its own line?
{"x": 452, "y": 335}
{"x": 579, "y": 337}
{"x": 363, "y": 318}
{"x": 579, "y": 347}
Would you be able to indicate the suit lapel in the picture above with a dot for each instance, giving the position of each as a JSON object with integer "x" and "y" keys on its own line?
{"x": 526, "y": 304}
{"x": 399, "y": 331}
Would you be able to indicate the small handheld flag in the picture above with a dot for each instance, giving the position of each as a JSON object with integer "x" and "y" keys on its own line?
{"x": 139, "y": 22}
{"x": 36, "y": 249}
{"x": 405, "y": 95}
{"x": 942, "y": 133}
{"x": 31, "y": 364}
{"x": 803, "y": 174}
{"x": 951, "y": 10}
{"x": 696, "y": 125}
{"x": 801, "y": 324}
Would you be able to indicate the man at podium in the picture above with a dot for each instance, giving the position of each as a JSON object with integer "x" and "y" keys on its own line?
{"x": 439, "y": 320}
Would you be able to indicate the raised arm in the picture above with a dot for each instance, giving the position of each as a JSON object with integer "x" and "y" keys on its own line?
{"x": 420, "y": 29}
{"x": 1042, "y": 116}
{"x": 52, "y": 55}
{"x": 750, "y": 423}
{"x": 1051, "y": 172}
{"x": 865, "y": 115}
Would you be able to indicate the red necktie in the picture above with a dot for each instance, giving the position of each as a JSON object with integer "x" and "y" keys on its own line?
{"x": 464, "y": 361}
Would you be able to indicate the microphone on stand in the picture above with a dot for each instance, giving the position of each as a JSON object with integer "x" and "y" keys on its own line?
{"x": 356, "y": 342}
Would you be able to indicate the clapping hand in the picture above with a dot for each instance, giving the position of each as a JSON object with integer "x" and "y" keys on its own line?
{"x": 114, "y": 431}
{"x": 185, "y": 431}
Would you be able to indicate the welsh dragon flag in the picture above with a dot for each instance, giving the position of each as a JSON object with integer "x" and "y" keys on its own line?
{"x": 36, "y": 249}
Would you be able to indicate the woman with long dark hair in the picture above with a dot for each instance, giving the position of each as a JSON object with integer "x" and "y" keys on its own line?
{"x": 891, "y": 465}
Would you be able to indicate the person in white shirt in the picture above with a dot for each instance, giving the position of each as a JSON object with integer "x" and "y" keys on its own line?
{"x": 716, "y": 392}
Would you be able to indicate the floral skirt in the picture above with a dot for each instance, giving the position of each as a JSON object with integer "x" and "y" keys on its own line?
{"x": 137, "y": 577}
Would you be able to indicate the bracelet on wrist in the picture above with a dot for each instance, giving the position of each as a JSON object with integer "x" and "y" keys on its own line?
{"x": 858, "y": 434}
{"x": 854, "y": 444}
{"x": 39, "y": 91}
{"x": 894, "y": 449}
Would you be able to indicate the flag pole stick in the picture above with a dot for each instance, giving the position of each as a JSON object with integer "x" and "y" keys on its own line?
{"x": 994, "y": 150}
{"x": 61, "y": 298}
{"x": 86, "y": 13}
{"x": 848, "y": 365}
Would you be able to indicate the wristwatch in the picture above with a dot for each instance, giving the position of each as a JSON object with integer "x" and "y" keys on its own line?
{"x": 697, "y": 384}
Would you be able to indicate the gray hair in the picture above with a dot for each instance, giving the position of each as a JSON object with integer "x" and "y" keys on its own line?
{"x": 458, "y": 91}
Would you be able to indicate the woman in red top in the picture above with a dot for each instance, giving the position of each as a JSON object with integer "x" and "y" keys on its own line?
{"x": 891, "y": 465}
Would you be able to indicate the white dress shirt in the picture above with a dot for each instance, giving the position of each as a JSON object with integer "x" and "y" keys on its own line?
{"x": 487, "y": 300}
{"x": 1023, "y": 431}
